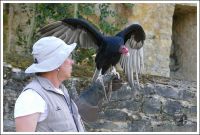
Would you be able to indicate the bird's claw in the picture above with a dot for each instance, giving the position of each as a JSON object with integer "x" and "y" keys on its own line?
{"x": 115, "y": 73}
{"x": 99, "y": 78}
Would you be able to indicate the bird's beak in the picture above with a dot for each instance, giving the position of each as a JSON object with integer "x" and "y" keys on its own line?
{"x": 127, "y": 54}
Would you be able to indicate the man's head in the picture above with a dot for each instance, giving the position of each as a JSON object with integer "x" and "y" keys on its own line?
{"x": 50, "y": 54}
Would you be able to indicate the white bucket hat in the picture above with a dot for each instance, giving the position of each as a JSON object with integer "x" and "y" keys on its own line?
{"x": 49, "y": 53}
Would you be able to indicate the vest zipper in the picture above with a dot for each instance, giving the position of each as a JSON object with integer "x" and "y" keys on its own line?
{"x": 71, "y": 110}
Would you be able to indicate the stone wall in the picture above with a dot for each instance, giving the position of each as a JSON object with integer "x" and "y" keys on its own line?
{"x": 166, "y": 105}
{"x": 157, "y": 22}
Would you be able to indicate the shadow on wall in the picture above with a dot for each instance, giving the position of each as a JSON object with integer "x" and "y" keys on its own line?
{"x": 183, "y": 57}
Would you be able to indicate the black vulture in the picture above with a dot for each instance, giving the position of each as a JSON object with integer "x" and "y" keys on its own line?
{"x": 110, "y": 49}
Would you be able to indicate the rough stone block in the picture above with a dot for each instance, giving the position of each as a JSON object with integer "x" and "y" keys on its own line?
{"x": 186, "y": 95}
{"x": 171, "y": 107}
{"x": 151, "y": 105}
{"x": 140, "y": 126}
{"x": 166, "y": 91}
{"x": 115, "y": 115}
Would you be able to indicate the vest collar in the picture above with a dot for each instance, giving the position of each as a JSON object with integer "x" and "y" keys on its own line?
{"x": 46, "y": 84}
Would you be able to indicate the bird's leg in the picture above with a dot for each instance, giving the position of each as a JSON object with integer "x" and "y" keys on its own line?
{"x": 109, "y": 89}
{"x": 96, "y": 74}
{"x": 115, "y": 72}
{"x": 100, "y": 79}
{"x": 100, "y": 76}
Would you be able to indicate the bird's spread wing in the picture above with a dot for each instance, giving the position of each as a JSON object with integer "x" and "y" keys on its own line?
{"x": 134, "y": 37}
{"x": 74, "y": 30}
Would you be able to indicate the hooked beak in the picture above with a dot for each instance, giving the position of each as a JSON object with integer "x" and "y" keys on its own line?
{"x": 124, "y": 50}
{"x": 127, "y": 54}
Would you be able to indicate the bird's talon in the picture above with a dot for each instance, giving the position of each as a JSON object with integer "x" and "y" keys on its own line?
{"x": 118, "y": 76}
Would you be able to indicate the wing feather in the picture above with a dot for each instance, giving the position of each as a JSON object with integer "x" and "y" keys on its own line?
{"x": 74, "y": 36}
{"x": 130, "y": 71}
{"x": 62, "y": 36}
{"x": 60, "y": 32}
{"x": 53, "y": 30}
{"x": 50, "y": 26}
{"x": 74, "y": 30}
{"x": 68, "y": 35}
{"x": 134, "y": 37}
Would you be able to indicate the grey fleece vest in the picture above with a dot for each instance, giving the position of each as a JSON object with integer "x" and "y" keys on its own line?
{"x": 62, "y": 111}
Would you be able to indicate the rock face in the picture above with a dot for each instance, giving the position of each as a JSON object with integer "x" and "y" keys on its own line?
{"x": 165, "y": 105}
{"x": 171, "y": 35}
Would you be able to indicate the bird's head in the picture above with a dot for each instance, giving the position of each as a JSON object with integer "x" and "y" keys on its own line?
{"x": 124, "y": 50}
{"x": 116, "y": 45}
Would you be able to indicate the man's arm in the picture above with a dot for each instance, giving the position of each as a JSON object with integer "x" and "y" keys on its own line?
{"x": 27, "y": 123}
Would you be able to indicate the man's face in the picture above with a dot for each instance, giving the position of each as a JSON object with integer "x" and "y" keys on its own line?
{"x": 66, "y": 69}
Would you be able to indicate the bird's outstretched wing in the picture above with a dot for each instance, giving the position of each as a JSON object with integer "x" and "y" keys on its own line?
{"x": 74, "y": 30}
{"x": 134, "y": 37}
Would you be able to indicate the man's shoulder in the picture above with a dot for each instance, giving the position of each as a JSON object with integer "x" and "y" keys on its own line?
{"x": 32, "y": 85}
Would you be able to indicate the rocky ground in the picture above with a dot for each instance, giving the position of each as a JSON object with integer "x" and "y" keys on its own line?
{"x": 164, "y": 104}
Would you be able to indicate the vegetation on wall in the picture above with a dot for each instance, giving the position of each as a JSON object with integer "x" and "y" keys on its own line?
{"x": 49, "y": 12}
{"x": 85, "y": 10}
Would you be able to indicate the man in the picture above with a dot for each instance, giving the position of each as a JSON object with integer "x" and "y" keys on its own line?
{"x": 44, "y": 104}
